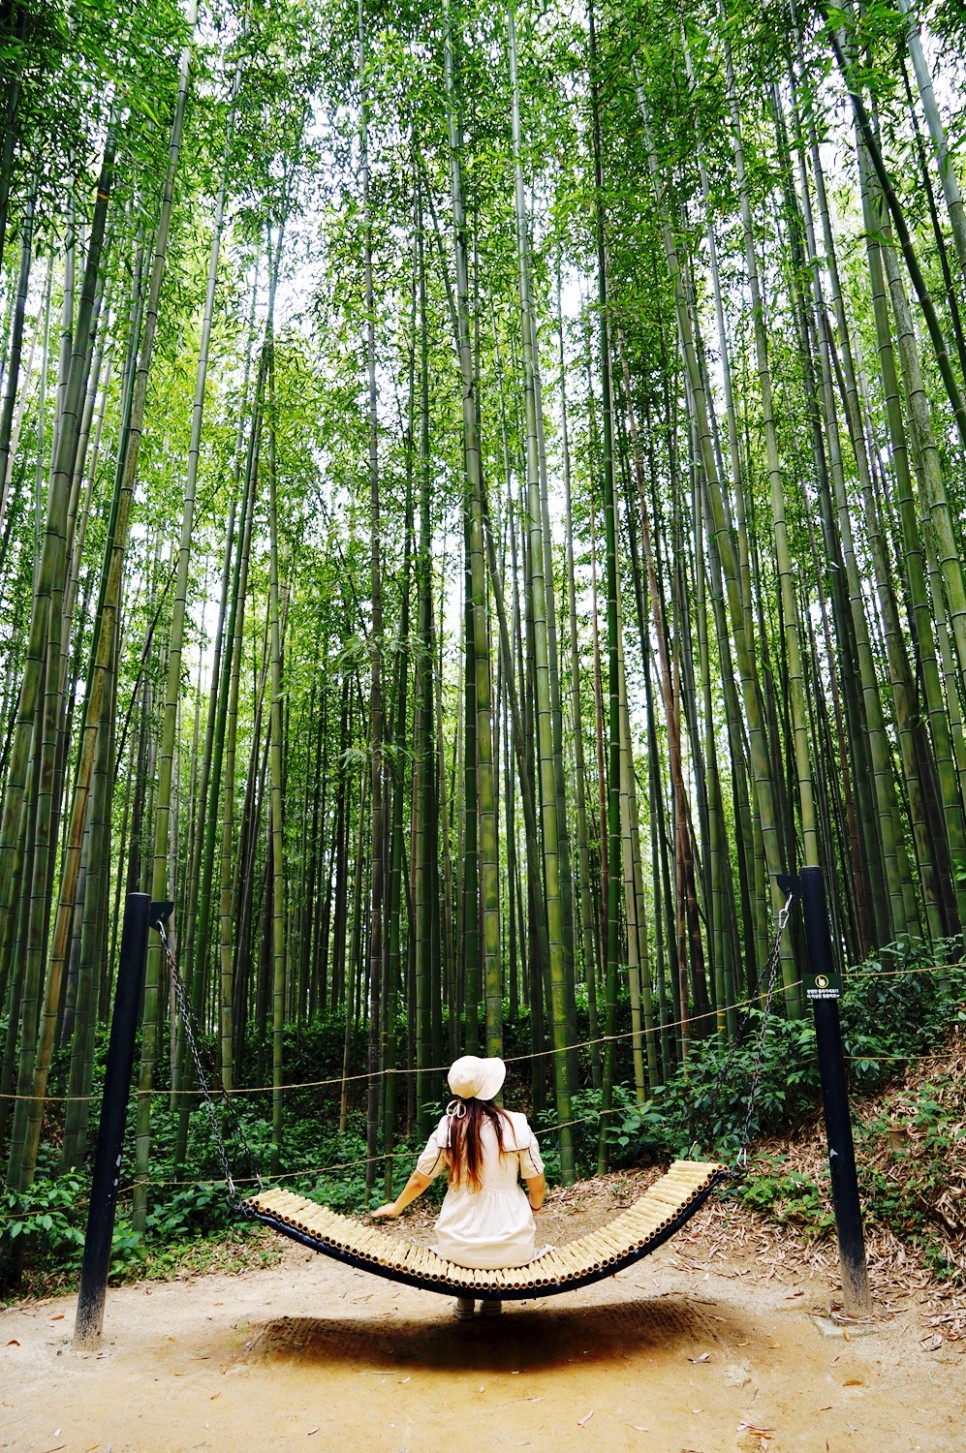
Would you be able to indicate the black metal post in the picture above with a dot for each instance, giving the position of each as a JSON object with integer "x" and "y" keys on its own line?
{"x": 822, "y": 988}
{"x": 110, "y": 1134}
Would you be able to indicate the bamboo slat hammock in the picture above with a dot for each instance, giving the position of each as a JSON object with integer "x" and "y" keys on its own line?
{"x": 663, "y": 1209}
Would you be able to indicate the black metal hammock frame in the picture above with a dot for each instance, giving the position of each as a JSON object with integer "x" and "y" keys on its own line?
{"x": 659, "y": 1214}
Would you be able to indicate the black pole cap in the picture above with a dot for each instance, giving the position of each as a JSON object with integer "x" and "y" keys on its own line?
{"x": 160, "y": 913}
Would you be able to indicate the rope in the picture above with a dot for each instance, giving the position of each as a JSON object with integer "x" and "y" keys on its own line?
{"x": 402, "y": 1070}
{"x": 305, "y": 1172}
{"x": 242, "y": 1091}
{"x": 313, "y": 1170}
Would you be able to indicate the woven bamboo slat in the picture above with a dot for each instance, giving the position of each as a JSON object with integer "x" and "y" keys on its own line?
{"x": 551, "y": 1263}
{"x": 679, "y": 1174}
{"x": 601, "y": 1246}
{"x": 667, "y": 1197}
{"x": 644, "y": 1216}
{"x": 687, "y": 1173}
{"x": 516, "y": 1277}
{"x": 665, "y": 1210}
{"x": 611, "y": 1240}
{"x": 570, "y": 1259}
{"x": 671, "y": 1195}
{"x": 575, "y": 1254}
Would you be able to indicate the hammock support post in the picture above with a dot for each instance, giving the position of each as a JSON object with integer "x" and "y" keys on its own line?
{"x": 822, "y": 987}
{"x": 139, "y": 914}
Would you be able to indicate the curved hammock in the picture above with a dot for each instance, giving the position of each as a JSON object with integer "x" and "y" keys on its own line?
{"x": 661, "y": 1211}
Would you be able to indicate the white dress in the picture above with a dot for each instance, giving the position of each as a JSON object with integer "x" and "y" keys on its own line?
{"x": 494, "y": 1226}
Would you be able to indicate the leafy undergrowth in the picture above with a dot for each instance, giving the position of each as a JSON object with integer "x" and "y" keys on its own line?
{"x": 240, "y": 1248}
{"x": 907, "y": 1109}
{"x": 193, "y": 1233}
{"x": 243, "y": 1248}
{"x": 911, "y": 1155}
{"x": 910, "y": 1133}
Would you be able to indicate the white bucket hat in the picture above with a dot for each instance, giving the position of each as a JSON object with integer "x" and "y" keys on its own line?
{"x": 472, "y": 1078}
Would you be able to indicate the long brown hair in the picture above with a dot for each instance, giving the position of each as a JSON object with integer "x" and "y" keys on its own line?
{"x": 465, "y": 1148}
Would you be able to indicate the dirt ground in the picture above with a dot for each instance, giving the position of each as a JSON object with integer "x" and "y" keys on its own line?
{"x": 709, "y": 1345}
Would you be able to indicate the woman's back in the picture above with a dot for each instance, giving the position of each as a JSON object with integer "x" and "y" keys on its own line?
{"x": 491, "y": 1226}
{"x": 499, "y": 1171}
{"x": 486, "y": 1219}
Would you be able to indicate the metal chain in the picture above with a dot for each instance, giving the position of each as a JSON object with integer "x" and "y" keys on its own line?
{"x": 772, "y": 971}
{"x": 190, "y": 1024}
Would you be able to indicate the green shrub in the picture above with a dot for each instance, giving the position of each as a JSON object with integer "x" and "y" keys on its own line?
{"x": 705, "y": 1104}
{"x": 42, "y": 1227}
{"x": 910, "y": 1171}
{"x": 789, "y": 1197}
{"x": 900, "y": 1002}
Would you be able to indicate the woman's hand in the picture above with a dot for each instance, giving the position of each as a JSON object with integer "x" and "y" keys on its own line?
{"x": 414, "y": 1187}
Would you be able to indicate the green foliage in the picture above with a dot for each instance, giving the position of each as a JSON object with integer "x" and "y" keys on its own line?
{"x": 42, "y": 1226}
{"x": 911, "y": 1157}
{"x": 900, "y": 1002}
{"x": 192, "y": 1210}
{"x": 898, "y": 1005}
{"x": 788, "y": 1197}
{"x": 706, "y": 1102}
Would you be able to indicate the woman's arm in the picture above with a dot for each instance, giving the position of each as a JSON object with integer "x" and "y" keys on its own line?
{"x": 536, "y": 1190}
{"x": 414, "y": 1187}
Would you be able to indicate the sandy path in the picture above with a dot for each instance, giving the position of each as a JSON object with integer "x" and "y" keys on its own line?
{"x": 310, "y": 1355}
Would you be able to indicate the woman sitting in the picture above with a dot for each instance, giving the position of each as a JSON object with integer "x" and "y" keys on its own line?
{"x": 486, "y": 1219}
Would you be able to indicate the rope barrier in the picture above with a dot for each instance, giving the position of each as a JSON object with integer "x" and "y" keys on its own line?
{"x": 860, "y": 973}
{"x": 242, "y": 1091}
{"x": 316, "y": 1170}
{"x": 402, "y": 1070}
{"x": 407, "y": 1153}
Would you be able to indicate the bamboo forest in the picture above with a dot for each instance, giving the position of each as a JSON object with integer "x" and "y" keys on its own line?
{"x": 482, "y": 496}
